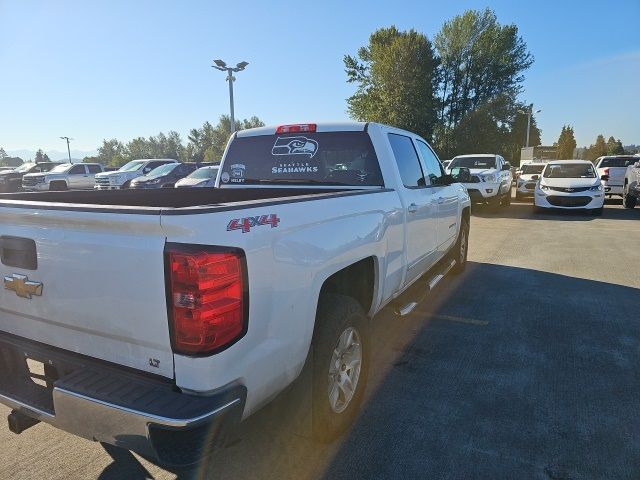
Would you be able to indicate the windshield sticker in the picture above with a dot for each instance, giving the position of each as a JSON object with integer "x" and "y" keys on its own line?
{"x": 294, "y": 167}
{"x": 295, "y": 146}
{"x": 224, "y": 178}
{"x": 237, "y": 173}
{"x": 247, "y": 223}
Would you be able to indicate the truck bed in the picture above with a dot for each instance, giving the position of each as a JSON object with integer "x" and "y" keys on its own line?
{"x": 166, "y": 198}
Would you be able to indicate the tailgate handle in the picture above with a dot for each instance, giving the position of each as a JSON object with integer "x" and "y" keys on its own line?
{"x": 18, "y": 252}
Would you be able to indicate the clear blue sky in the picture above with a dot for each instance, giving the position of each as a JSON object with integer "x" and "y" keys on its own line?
{"x": 104, "y": 69}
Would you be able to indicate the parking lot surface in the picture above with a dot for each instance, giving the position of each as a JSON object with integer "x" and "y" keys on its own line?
{"x": 526, "y": 366}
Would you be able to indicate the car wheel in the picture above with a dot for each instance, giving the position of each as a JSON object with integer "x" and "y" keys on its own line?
{"x": 126, "y": 185}
{"x": 461, "y": 248}
{"x": 597, "y": 212}
{"x": 628, "y": 201}
{"x": 340, "y": 365}
{"x": 58, "y": 186}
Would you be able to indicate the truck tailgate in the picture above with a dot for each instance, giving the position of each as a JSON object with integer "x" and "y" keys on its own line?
{"x": 102, "y": 285}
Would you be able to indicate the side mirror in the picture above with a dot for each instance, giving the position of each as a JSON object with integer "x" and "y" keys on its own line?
{"x": 637, "y": 164}
{"x": 604, "y": 177}
{"x": 505, "y": 167}
{"x": 461, "y": 174}
{"x": 422, "y": 182}
{"x": 535, "y": 177}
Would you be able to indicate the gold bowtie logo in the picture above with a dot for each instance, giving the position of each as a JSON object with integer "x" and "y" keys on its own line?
{"x": 23, "y": 287}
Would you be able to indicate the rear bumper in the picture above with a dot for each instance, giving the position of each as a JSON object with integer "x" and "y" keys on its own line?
{"x": 612, "y": 189}
{"x": 122, "y": 407}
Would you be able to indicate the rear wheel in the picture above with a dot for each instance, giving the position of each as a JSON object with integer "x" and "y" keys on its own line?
{"x": 58, "y": 186}
{"x": 340, "y": 365}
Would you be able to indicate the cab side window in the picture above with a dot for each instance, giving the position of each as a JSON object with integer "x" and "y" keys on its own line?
{"x": 77, "y": 170}
{"x": 94, "y": 169}
{"x": 433, "y": 165}
{"x": 407, "y": 160}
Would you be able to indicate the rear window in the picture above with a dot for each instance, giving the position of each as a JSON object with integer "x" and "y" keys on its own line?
{"x": 531, "y": 169}
{"x": 617, "y": 162}
{"x": 327, "y": 158}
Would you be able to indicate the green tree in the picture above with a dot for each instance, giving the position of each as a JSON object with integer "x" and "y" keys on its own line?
{"x": 112, "y": 153}
{"x": 596, "y": 150}
{"x": 396, "y": 77}
{"x": 614, "y": 147}
{"x": 566, "y": 143}
{"x": 41, "y": 156}
{"x": 481, "y": 60}
{"x": 3, "y": 154}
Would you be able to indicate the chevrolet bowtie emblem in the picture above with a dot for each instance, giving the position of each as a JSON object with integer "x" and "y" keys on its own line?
{"x": 23, "y": 287}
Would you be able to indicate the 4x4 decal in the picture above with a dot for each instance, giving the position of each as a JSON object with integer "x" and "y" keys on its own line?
{"x": 247, "y": 223}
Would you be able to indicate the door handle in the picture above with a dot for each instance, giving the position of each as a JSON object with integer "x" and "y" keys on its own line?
{"x": 413, "y": 208}
{"x": 440, "y": 200}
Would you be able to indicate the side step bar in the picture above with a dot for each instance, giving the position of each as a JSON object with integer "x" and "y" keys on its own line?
{"x": 404, "y": 310}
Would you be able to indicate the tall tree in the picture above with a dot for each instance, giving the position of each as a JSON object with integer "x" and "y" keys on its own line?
{"x": 596, "y": 150}
{"x": 614, "y": 147}
{"x": 208, "y": 143}
{"x": 41, "y": 156}
{"x": 396, "y": 78}
{"x": 3, "y": 154}
{"x": 480, "y": 60}
{"x": 566, "y": 143}
{"x": 112, "y": 153}
{"x": 518, "y": 134}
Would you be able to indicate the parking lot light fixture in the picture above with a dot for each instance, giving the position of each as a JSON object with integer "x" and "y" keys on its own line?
{"x": 68, "y": 149}
{"x": 222, "y": 66}
{"x": 528, "y": 113}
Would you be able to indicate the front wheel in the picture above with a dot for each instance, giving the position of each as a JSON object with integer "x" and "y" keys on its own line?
{"x": 628, "y": 201}
{"x": 340, "y": 365}
{"x": 461, "y": 248}
{"x": 597, "y": 212}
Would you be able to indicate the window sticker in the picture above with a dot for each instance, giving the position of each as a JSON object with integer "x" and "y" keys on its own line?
{"x": 295, "y": 146}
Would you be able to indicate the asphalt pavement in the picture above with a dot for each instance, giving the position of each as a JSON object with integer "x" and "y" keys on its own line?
{"x": 525, "y": 366}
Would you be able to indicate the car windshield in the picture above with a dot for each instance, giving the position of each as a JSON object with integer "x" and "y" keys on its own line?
{"x": 162, "y": 170}
{"x": 206, "y": 172}
{"x": 617, "y": 162}
{"x": 473, "y": 162}
{"x": 25, "y": 167}
{"x": 63, "y": 167}
{"x": 569, "y": 170}
{"x": 532, "y": 169}
{"x": 131, "y": 166}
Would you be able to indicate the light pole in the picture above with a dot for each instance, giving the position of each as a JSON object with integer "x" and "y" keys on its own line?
{"x": 68, "y": 149}
{"x": 222, "y": 66}
{"x": 528, "y": 113}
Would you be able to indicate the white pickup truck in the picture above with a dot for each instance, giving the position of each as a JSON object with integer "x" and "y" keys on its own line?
{"x": 631, "y": 188}
{"x": 491, "y": 177}
{"x": 158, "y": 320}
{"x": 611, "y": 170}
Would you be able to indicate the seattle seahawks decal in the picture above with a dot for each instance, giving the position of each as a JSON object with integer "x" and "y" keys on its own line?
{"x": 295, "y": 146}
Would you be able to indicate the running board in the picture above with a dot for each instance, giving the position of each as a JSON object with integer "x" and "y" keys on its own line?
{"x": 404, "y": 310}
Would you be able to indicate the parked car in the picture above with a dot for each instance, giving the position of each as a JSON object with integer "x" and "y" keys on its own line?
{"x": 631, "y": 188}
{"x": 65, "y": 176}
{"x": 490, "y": 177}
{"x": 209, "y": 304}
{"x": 164, "y": 176}
{"x": 570, "y": 185}
{"x": 4, "y": 169}
{"x": 202, "y": 177}
{"x": 445, "y": 163}
{"x": 612, "y": 169}
{"x": 11, "y": 180}
{"x": 527, "y": 179}
{"x": 121, "y": 178}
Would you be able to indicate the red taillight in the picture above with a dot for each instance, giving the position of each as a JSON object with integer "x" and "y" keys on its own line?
{"x": 206, "y": 298}
{"x": 606, "y": 171}
{"x": 299, "y": 128}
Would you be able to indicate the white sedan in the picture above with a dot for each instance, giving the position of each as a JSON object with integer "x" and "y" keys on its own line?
{"x": 202, "y": 177}
{"x": 570, "y": 185}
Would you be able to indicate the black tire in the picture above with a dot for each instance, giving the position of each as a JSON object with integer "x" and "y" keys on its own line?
{"x": 495, "y": 202}
{"x": 336, "y": 315}
{"x": 628, "y": 201}
{"x": 538, "y": 210}
{"x": 461, "y": 248}
{"x": 126, "y": 185}
{"x": 597, "y": 212}
{"x": 506, "y": 199}
{"x": 58, "y": 186}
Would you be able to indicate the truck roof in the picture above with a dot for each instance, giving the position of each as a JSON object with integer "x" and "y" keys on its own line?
{"x": 476, "y": 155}
{"x": 320, "y": 127}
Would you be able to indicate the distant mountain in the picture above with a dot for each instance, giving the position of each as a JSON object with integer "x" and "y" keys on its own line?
{"x": 55, "y": 155}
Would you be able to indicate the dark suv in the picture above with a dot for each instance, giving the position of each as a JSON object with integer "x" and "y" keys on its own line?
{"x": 11, "y": 180}
{"x": 164, "y": 176}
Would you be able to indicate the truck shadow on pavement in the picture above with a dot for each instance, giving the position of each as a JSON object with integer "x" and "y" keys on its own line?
{"x": 483, "y": 380}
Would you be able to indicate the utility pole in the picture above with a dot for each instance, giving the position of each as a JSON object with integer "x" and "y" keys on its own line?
{"x": 68, "y": 149}
{"x": 528, "y": 113}
{"x": 222, "y": 66}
